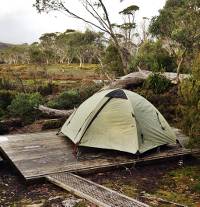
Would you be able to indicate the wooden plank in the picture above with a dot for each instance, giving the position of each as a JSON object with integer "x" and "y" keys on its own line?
{"x": 38, "y": 154}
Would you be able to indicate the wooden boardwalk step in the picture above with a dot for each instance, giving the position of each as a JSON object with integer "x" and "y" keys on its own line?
{"x": 95, "y": 193}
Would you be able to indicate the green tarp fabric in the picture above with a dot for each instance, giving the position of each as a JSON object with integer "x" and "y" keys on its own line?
{"x": 119, "y": 120}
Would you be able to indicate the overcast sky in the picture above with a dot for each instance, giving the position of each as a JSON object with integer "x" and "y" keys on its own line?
{"x": 20, "y": 23}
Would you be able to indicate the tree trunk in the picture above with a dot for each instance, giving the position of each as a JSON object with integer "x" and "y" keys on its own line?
{"x": 179, "y": 66}
{"x": 119, "y": 49}
{"x": 104, "y": 71}
{"x": 81, "y": 62}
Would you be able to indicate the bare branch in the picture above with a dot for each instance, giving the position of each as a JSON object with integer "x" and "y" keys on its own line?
{"x": 81, "y": 18}
{"x": 106, "y": 14}
{"x": 98, "y": 17}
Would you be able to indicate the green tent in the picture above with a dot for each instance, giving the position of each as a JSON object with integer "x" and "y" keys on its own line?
{"x": 119, "y": 120}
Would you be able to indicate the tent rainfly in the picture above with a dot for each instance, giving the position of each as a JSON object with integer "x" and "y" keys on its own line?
{"x": 119, "y": 120}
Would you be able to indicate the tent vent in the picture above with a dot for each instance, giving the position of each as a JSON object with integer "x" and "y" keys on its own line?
{"x": 163, "y": 128}
{"x": 117, "y": 94}
{"x": 142, "y": 137}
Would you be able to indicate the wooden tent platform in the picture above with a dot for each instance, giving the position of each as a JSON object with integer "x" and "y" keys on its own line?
{"x": 36, "y": 155}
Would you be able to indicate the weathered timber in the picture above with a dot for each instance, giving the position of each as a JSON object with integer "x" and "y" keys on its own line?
{"x": 38, "y": 154}
{"x": 55, "y": 112}
{"x": 97, "y": 194}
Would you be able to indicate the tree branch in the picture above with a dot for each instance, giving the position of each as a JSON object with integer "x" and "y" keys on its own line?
{"x": 81, "y": 18}
{"x": 96, "y": 15}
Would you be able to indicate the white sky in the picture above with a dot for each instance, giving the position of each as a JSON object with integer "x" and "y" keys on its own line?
{"x": 20, "y": 23}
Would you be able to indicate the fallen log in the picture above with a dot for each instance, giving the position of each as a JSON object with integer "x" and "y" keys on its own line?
{"x": 55, "y": 112}
{"x": 137, "y": 78}
{"x": 131, "y": 80}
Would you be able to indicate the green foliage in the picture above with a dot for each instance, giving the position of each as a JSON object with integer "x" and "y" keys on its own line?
{"x": 179, "y": 23}
{"x": 112, "y": 61}
{"x": 88, "y": 90}
{"x": 65, "y": 100}
{"x": 196, "y": 188}
{"x": 6, "y": 98}
{"x": 46, "y": 89}
{"x": 190, "y": 93}
{"x": 23, "y": 106}
{"x": 152, "y": 56}
{"x": 129, "y": 10}
{"x": 81, "y": 204}
{"x": 157, "y": 83}
{"x": 72, "y": 98}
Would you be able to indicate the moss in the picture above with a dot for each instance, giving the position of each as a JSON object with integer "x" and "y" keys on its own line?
{"x": 181, "y": 185}
{"x": 81, "y": 204}
{"x": 127, "y": 188}
{"x": 196, "y": 188}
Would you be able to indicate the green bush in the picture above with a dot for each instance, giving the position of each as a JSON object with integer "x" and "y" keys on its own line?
{"x": 190, "y": 93}
{"x": 157, "y": 83}
{"x": 152, "y": 56}
{"x": 46, "y": 89}
{"x": 112, "y": 61}
{"x": 23, "y": 106}
{"x": 72, "y": 98}
{"x": 65, "y": 100}
{"x": 88, "y": 90}
{"x": 6, "y": 98}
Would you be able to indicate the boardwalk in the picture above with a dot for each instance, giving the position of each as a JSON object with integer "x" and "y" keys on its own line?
{"x": 97, "y": 194}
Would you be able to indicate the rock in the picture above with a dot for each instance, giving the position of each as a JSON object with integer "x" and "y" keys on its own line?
{"x": 55, "y": 198}
{"x": 71, "y": 202}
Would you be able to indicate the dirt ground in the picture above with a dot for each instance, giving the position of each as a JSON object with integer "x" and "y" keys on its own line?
{"x": 167, "y": 180}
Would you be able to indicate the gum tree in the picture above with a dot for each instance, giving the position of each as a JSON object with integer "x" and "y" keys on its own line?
{"x": 100, "y": 19}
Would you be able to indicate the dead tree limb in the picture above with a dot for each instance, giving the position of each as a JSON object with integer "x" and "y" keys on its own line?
{"x": 55, "y": 112}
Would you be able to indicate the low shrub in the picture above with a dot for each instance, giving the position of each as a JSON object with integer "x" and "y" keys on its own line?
{"x": 88, "y": 89}
{"x": 72, "y": 98}
{"x": 24, "y": 106}
{"x": 157, "y": 83}
{"x": 189, "y": 91}
{"x": 6, "y": 98}
{"x": 46, "y": 89}
{"x": 3, "y": 129}
{"x": 2, "y": 113}
{"x": 65, "y": 100}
